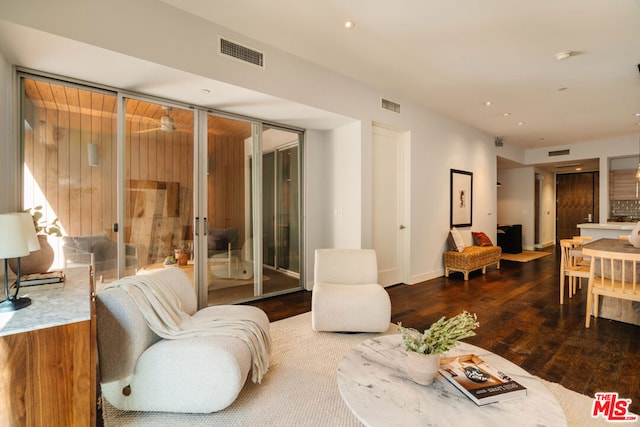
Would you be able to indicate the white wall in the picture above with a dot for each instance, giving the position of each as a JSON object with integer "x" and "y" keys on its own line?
{"x": 605, "y": 150}
{"x": 622, "y": 163}
{"x": 317, "y": 208}
{"x": 510, "y": 202}
{"x": 516, "y": 202}
{"x": 7, "y": 159}
{"x": 337, "y": 162}
{"x": 610, "y": 148}
{"x": 343, "y": 176}
{"x": 439, "y": 145}
{"x": 547, "y": 220}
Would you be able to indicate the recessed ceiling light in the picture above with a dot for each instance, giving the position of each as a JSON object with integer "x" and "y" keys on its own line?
{"x": 506, "y": 114}
{"x": 349, "y": 24}
{"x": 561, "y": 56}
{"x": 637, "y": 114}
{"x": 520, "y": 123}
{"x": 488, "y": 103}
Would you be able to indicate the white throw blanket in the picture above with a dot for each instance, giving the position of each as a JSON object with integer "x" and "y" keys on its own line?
{"x": 162, "y": 311}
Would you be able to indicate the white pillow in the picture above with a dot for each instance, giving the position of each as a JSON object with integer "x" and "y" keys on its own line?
{"x": 458, "y": 239}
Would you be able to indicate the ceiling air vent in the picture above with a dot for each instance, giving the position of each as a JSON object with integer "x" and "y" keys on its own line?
{"x": 390, "y": 105}
{"x": 558, "y": 153}
{"x": 242, "y": 53}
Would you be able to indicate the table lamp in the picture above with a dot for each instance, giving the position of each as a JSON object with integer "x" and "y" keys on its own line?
{"x": 17, "y": 239}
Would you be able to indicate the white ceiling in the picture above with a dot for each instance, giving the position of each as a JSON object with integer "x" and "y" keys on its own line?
{"x": 449, "y": 56}
{"x": 95, "y": 65}
{"x": 453, "y": 56}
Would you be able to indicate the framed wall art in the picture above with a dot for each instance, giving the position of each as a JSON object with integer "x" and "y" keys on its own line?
{"x": 461, "y": 198}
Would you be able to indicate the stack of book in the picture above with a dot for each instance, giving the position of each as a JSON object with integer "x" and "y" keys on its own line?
{"x": 478, "y": 381}
{"x": 38, "y": 281}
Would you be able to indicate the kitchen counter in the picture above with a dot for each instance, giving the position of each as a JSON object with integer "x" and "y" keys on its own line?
{"x": 607, "y": 230}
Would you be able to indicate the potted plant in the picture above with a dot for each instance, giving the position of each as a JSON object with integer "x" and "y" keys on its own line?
{"x": 38, "y": 261}
{"x": 425, "y": 348}
{"x": 182, "y": 253}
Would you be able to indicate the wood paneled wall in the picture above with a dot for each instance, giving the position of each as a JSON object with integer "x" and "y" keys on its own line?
{"x": 226, "y": 185}
{"x": 55, "y": 152}
{"x": 63, "y": 120}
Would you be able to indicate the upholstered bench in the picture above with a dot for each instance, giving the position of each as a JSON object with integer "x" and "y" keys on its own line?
{"x": 465, "y": 256}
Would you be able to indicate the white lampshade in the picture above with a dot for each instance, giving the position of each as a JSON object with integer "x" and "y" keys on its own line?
{"x": 12, "y": 241}
{"x": 29, "y": 231}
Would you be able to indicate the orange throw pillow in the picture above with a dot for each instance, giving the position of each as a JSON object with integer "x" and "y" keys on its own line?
{"x": 481, "y": 239}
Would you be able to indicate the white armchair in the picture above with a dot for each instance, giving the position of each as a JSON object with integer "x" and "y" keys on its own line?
{"x": 346, "y": 294}
{"x": 139, "y": 371}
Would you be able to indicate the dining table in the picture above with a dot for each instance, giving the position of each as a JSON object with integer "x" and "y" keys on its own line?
{"x": 615, "y": 308}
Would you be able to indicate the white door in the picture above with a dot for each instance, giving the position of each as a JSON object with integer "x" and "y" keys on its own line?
{"x": 389, "y": 230}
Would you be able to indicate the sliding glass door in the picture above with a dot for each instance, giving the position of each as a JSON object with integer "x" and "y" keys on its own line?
{"x": 159, "y": 184}
{"x": 127, "y": 180}
{"x": 253, "y": 210}
{"x": 69, "y": 170}
{"x": 281, "y": 201}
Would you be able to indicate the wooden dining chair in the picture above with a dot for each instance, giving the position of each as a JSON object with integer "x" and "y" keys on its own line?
{"x": 579, "y": 259}
{"x": 570, "y": 268}
{"x": 612, "y": 274}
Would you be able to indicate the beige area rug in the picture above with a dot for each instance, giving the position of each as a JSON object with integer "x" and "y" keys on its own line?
{"x": 525, "y": 256}
{"x": 301, "y": 390}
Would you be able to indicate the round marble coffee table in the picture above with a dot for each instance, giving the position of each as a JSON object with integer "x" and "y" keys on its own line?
{"x": 374, "y": 383}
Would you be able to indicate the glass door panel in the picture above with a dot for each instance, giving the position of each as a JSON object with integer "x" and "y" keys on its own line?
{"x": 159, "y": 178}
{"x": 249, "y": 202}
{"x": 288, "y": 212}
{"x": 69, "y": 170}
{"x": 236, "y": 208}
{"x": 281, "y": 210}
{"x": 230, "y": 254}
{"x": 269, "y": 209}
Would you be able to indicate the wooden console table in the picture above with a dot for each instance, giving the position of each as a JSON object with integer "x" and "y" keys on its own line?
{"x": 48, "y": 357}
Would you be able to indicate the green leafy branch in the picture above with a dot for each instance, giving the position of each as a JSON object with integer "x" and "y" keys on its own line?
{"x": 441, "y": 336}
{"x": 41, "y": 225}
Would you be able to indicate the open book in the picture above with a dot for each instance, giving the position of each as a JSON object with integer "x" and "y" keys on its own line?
{"x": 479, "y": 381}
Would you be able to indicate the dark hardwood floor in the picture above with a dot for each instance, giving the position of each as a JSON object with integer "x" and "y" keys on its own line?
{"x": 520, "y": 319}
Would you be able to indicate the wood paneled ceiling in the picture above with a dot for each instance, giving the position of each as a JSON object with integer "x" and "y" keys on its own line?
{"x": 141, "y": 115}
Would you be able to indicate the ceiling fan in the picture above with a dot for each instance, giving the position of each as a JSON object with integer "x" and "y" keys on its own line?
{"x": 165, "y": 124}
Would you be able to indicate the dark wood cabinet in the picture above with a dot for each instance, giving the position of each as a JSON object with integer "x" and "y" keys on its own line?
{"x": 48, "y": 374}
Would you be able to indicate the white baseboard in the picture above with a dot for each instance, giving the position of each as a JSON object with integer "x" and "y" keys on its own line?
{"x": 426, "y": 276}
{"x": 544, "y": 245}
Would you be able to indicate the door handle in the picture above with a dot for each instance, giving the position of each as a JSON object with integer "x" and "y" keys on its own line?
{"x": 402, "y": 227}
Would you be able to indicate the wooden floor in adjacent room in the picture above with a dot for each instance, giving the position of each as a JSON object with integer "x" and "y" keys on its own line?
{"x": 520, "y": 319}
